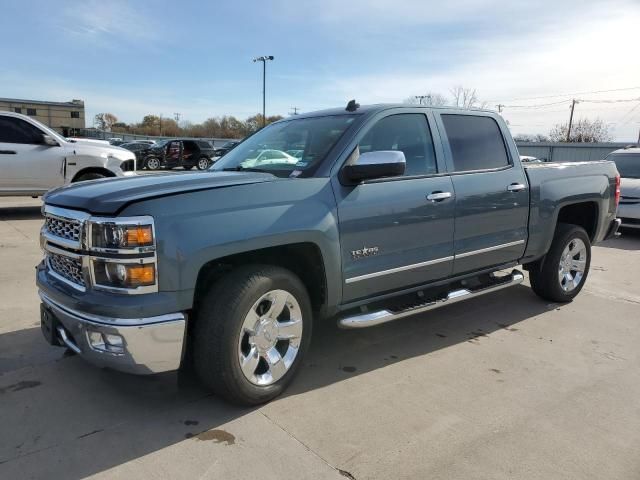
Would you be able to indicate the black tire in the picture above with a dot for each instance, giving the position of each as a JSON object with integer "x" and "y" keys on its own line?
{"x": 218, "y": 329}
{"x": 90, "y": 176}
{"x": 201, "y": 161}
{"x": 544, "y": 275}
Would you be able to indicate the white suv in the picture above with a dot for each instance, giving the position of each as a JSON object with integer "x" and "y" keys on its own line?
{"x": 34, "y": 158}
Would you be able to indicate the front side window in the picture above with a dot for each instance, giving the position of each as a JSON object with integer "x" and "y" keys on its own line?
{"x": 628, "y": 164}
{"x": 15, "y": 130}
{"x": 409, "y": 133}
{"x": 476, "y": 142}
{"x": 289, "y": 147}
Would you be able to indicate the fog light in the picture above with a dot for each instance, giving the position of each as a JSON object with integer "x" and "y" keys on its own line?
{"x": 106, "y": 342}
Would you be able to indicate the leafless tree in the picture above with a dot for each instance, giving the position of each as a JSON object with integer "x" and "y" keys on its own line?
{"x": 582, "y": 131}
{"x": 525, "y": 137}
{"x": 104, "y": 121}
{"x": 429, "y": 99}
{"x": 465, "y": 97}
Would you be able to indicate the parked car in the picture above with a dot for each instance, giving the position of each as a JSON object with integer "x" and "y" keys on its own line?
{"x": 140, "y": 150}
{"x": 177, "y": 152}
{"x": 35, "y": 158}
{"x": 627, "y": 161}
{"x": 391, "y": 211}
{"x": 227, "y": 147}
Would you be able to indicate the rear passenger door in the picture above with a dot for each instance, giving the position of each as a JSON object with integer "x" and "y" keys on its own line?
{"x": 393, "y": 233}
{"x": 492, "y": 196}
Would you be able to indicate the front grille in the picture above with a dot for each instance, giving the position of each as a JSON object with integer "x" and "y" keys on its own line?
{"x": 66, "y": 228}
{"x": 67, "y": 267}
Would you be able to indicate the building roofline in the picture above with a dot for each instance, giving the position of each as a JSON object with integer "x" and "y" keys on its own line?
{"x": 42, "y": 102}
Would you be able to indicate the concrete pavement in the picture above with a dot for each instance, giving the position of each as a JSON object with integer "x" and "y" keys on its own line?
{"x": 504, "y": 386}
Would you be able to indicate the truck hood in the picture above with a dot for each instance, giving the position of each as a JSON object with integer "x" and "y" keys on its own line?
{"x": 630, "y": 187}
{"x": 95, "y": 149}
{"x": 110, "y": 195}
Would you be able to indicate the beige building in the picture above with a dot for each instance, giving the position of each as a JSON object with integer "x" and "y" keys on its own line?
{"x": 64, "y": 117}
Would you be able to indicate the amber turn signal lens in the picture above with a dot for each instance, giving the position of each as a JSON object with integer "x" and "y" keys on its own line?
{"x": 139, "y": 236}
{"x": 141, "y": 274}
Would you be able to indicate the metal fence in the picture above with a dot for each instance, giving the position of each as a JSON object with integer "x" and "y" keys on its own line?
{"x": 129, "y": 137}
{"x": 568, "y": 152}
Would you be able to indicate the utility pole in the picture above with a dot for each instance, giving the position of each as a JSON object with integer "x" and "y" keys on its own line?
{"x": 573, "y": 106}
{"x": 176, "y": 115}
{"x": 500, "y": 107}
{"x": 420, "y": 98}
{"x": 160, "y": 124}
{"x": 639, "y": 137}
{"x": 264, "y": 59}
{"x": 295, "y": 111}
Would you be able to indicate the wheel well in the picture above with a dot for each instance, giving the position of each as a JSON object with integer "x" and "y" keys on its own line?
{"x": 101, "y": 171}
{"x": 583, "y": 214}
{"x": 303, "y": 259}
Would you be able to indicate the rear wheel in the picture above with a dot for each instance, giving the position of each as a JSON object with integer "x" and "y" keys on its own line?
{"x": 251, "y": 331}
{"x": 562, "y": 273}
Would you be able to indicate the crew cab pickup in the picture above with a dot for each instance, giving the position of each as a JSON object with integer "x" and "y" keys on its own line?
{"x": 389, "y": 211}
{"x": 35, "y": 158}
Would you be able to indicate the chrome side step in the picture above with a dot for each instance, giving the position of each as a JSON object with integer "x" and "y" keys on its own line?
{"x": 369, "y": 319}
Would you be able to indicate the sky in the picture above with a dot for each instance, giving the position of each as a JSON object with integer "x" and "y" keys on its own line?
{"x": 132, "y": 58}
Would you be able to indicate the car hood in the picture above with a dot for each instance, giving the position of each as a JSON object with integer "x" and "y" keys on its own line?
{"x": 630, "y": 187}
{"x": 111, "y": 195}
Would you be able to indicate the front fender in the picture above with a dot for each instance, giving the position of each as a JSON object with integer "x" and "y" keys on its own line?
{"x": 192, "y": 229}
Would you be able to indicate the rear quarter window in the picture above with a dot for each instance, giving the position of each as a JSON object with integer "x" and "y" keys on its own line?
{"x": 476, "y": 142}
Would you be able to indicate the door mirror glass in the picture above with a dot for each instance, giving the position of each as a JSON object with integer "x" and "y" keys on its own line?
{"x": 49, "y": 140}
{"x": 371, "y": 165}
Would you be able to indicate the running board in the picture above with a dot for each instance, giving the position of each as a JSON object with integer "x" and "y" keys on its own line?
{"x": 370, "y": 319}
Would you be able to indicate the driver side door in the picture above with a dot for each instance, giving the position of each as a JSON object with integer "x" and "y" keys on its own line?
{"x": 394, "y": 233}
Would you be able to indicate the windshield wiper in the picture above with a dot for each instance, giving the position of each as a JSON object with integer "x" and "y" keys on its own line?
{"x": 240, "y": 168}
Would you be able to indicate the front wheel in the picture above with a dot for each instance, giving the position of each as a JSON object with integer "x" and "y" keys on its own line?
{"x": 563, "y": 272}
{"x": 252, "y": 329}
{"x": 153, "y": 163}
{"x": 203, "y": 163}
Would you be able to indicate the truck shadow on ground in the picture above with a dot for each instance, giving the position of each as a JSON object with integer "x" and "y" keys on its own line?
{"x": 20, "y": 213}
{"x": 62, "y": 418}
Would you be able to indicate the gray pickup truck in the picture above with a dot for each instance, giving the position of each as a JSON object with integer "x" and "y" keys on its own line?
{"x": 362, "y": 215}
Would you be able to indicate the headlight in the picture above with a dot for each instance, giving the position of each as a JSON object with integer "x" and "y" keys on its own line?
{"x": 124, "y": 275}
{"x": 121, "y": 236}
{"x": 123, "y": 254}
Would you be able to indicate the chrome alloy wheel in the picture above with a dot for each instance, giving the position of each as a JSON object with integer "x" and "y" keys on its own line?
{"x": 203, "y": 163}
{"x": 573, "y": 263}
{"x": 270, "y": 337}
{"x": 153, "y": 164}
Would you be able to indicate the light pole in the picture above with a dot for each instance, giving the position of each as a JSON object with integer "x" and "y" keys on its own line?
{"x": 263, "y": 59}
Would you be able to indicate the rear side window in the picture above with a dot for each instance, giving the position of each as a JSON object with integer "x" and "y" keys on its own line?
{"x": 476, "y": 143}
{"x": 15, "y": 130}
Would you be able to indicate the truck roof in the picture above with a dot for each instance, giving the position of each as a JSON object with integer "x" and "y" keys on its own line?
{"x": 379, "y": 107}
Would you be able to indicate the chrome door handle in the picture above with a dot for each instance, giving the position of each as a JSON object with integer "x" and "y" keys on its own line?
{"x": 438, "y": 196}
{"x": 516, "y": 187}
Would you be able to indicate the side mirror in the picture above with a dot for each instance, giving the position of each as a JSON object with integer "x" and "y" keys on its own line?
{"x": 371, "y": 165}
{"x": 49, "y": 140}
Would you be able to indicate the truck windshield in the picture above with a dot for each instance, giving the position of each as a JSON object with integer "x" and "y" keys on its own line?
{"x": 287, "y": 149}
{"x": 628, "y": 164}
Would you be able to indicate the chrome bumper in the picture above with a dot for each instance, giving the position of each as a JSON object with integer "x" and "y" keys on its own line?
{"x": 140, "y": 346}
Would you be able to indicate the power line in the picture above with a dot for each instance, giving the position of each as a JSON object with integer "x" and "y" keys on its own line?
{"x": 571, "y": 94}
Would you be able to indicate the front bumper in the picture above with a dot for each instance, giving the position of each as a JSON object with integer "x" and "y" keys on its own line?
{"x": 148, "y": 345}
{"x": 629, "y": 213}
